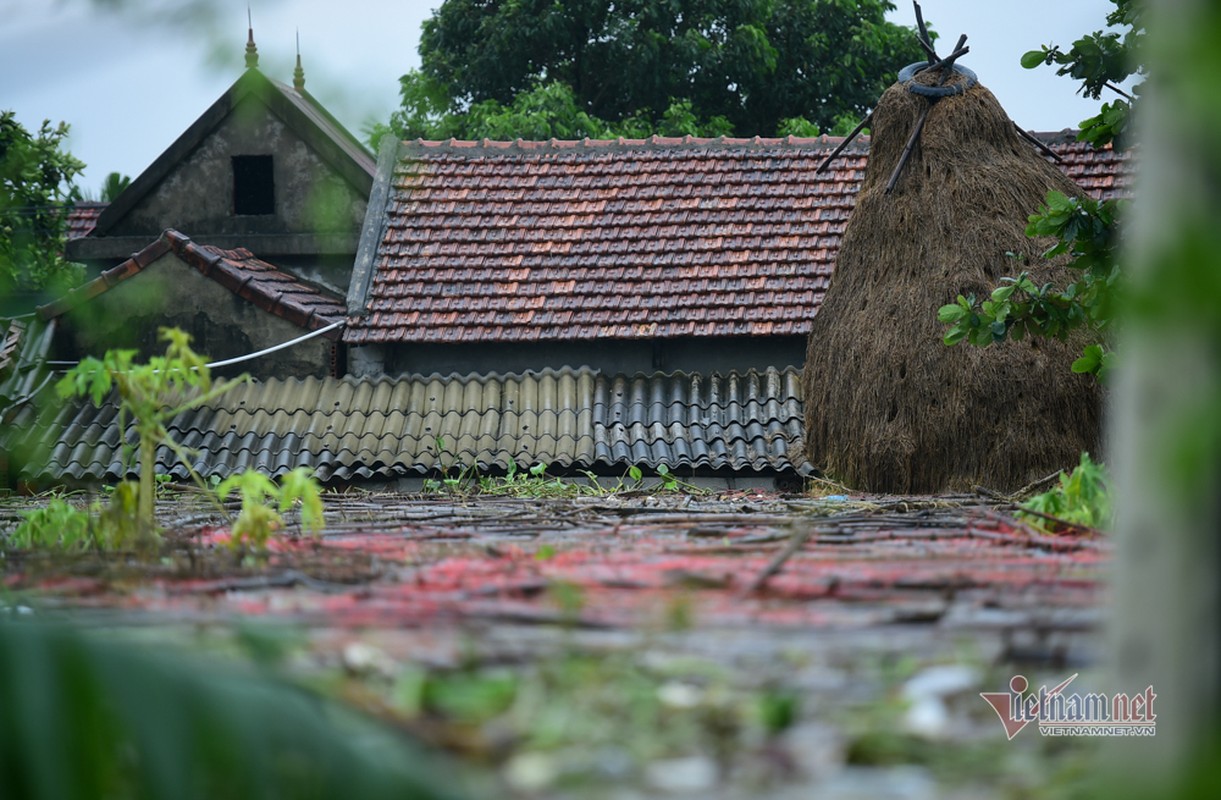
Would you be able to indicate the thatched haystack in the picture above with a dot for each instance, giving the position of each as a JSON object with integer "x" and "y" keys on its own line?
{"x": 888, "y": 406}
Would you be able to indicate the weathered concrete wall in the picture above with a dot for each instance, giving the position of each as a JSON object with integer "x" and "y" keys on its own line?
{"x": 612, "y": 356}
{"x": 330, "y": 271}
{"x": 170, "y": 292}
{"x": 367, "y": 361}
{"x": 197, "y": 196}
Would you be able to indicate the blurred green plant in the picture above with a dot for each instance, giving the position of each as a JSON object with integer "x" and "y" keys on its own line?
{"x": 1081, "y": 498}
{"x": 535, "y": 482}
{"x": 62, "y": 526}
{"x": 113, "y": 186}
{"x": 263, "y": 503}
{"x": 85, "y": 718}
{"x": 151, "y": 394}
{"x": 57, "y": 525}
{"x": 564, "y": 712}
{"x": 532, "y": 482}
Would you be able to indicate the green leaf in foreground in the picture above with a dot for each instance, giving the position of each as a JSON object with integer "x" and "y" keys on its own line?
{"x": 86, "y": 718}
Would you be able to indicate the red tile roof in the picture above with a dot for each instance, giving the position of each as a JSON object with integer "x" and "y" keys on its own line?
{"x": 10, "y": 339}
{"x": 82, "y": 218}
{"x": 531, "y": 241}
{"x": 1104, "y": 174}
{"x": 239, "y": 271}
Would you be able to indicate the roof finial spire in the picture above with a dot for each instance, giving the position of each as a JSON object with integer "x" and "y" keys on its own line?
{"x": 252, "y": 52}
{"x": 299, "y": 73}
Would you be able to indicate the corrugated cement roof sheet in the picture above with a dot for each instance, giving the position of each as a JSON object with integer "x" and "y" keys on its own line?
{"x": 24, "y": 344}
{"x": 350, "y": 428}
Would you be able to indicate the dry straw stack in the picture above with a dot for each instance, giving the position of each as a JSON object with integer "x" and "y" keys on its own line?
{"x": 889, "y": 408}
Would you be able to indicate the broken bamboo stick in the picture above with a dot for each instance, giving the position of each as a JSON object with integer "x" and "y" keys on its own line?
{"x": 1047, "y": 151}
{"x": 907, "y": 151}
{"x": 847, "y": 139}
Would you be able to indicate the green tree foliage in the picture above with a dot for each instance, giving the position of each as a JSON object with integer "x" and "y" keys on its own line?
{"x": 87, "y": 717}
{"x": 1100, "y": 61}
{"x": 539, "y": 68}
{"x": 36, "y": 182}
{"x": 1088, "y": 230}
{"x": 113, "y": 186}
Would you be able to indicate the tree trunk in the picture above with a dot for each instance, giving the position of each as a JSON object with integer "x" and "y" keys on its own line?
{"x": 1166, "y": 430}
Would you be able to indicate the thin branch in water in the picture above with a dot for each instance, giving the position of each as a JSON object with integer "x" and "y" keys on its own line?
{"x": 797, "y": 541}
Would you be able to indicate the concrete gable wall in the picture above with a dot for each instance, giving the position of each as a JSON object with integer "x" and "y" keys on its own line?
{"x": 172, "y": 293}
{"x": 197, "y": 195}
{"x": 721, "y": 355}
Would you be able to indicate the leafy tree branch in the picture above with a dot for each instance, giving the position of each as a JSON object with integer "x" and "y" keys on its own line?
{"x": 1083, "y": 228}
{"x": 152, "y": 394}
{"x": 1088, "y": 230}
{"x": 1101, "y": 61}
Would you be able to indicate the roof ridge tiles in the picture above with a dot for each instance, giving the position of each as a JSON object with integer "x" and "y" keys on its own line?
{"x": 111, "y": 277}
{"x": 654, "y": 142}
{"x": 1062, "y": 138}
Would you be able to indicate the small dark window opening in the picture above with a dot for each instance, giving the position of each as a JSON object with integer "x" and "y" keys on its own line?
{"x": 254, "y": 187}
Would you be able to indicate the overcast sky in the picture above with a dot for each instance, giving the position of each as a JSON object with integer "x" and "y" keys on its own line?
{"x": 131, "y": 75}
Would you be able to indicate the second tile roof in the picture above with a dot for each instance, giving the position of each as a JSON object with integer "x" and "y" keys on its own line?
{"x": 659, "y": 238}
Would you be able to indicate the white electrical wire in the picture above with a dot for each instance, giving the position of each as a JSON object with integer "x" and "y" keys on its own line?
{"x": 248, "y": 357}
{"x": 275, "y": 348}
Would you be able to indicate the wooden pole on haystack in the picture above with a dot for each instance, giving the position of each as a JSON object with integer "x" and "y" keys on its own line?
{"x": 946, "y": 65}
{"x": 847, "y": 140}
